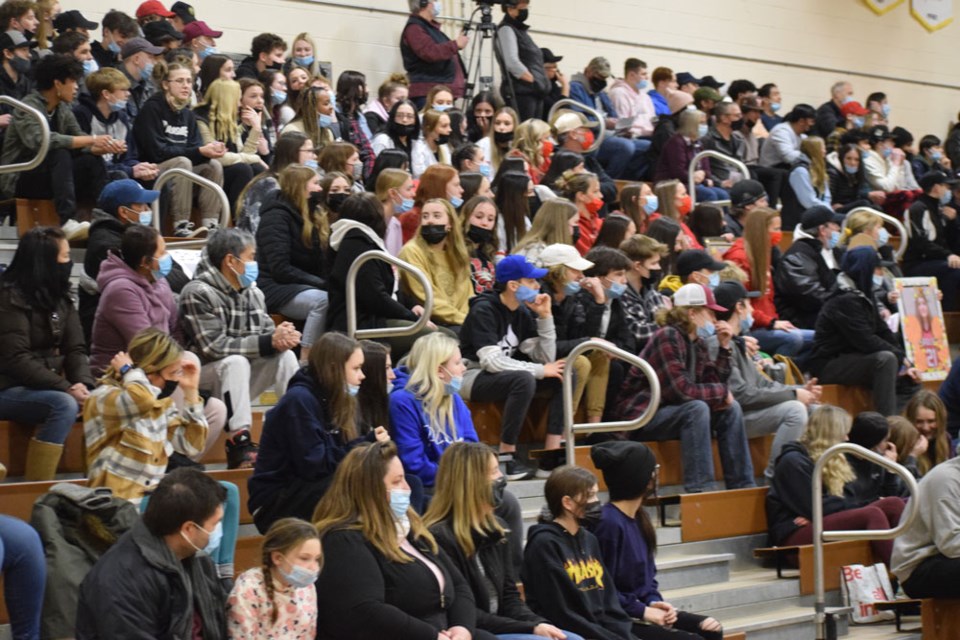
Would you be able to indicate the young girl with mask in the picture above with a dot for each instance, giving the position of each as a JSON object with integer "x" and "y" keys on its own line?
{"x": 278, "y": 599}
{"x": 480, "y": 217}
{"x": 583, "y": 190}
{"x": 395, "y": 190}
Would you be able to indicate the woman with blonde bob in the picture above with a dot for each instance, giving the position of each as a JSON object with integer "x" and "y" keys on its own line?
{"x": 439, "y": 252}
{"x": 384, "y": 575}
{"x": 462, "y": 519}
{"x": 790, "y": 503}
{"x": 556, "y": 223}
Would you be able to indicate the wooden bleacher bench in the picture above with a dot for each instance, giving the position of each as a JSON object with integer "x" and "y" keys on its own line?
{"x": 35, "y": 213}
{"x": 940, "y": 617}
{"x": 488, "y": 415}
{"x": 835, "y": 556}
{"x": 900, "y": 608}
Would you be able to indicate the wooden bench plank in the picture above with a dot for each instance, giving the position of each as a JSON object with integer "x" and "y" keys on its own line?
{"x": 723, "y": 514}
{"x": 941, "y": 618}
{"x": 487, "y": 417}
{"x": 835, "y": 556}
{"x": 15, "y": 437}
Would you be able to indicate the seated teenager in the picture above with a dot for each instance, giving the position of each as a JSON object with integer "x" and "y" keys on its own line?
{"x": 401, "y": 131}
{"x": 131, "y": 424}
{"x": 583, "y": 190}
{"x": 641, "y": 301}
{"x": 929, "y": 157}
{"x": 291, "y": 148}
{"x": 848, "y": 184}
{"x": 695, "y": 395}
{"x": 806, "y": 276}
{"x": 615, "y": 229}
{"x": 479, "y": 219}
{"x": 638, "y": 202}
{"x": 315, "y": 117}
{"x": 384, "y": 575}
{"x": 909, "y": 443}
{"x": 308, "y": 433}
{"x": 44, "y": 374}
{"x": 678, "y": 152}
{"x": 628, "y": 543}
{"x": 514, "y": 189}
{"x": 437, "y": 182}
{"x": 790, "y": 502}
{"x": 463, "y": 519}
{"x": 510, "y": 343}
{"x": 675, "y": 203}
{"x": 809, "y": 186}
{"x": 394, "y": 189}
{"x": 692, "y": 266}
{"x": 557, "y": 222}
{"x": 927, "y": 412}
{"x": 933, "y": 249}
{"x": 871, "y": 431}
{"x": 886, "y": 167}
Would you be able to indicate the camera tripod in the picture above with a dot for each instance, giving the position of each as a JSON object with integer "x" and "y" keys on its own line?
{"x": 487, "y": 38}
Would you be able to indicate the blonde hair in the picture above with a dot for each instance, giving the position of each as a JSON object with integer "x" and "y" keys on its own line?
{"x": 223, "y": 101}
{"x": 861, "y": 222}
{"x": 388, "y": 180}
{"x": 423, "y": 362}
{"x": 282, "y": 537}
{"x": 666, "y": 195}
{"x": 827, "y": 426}
{"x": 455, "y": 249}
{"x": 314, "y": 67}
{"x": 464, "y": 494}
{"x": 151, "y": 350}
{"x": 572, "y": 183}
{"x": 813, "y": 147}
{"x": 527, "y": 138}
{"x": 551, "y": 225}
{"x": 293, "y": 181}
{"x": 939, "y": 449}
{"x": 431, "y": 120}
{"x": 756, "y": 244}
{"x": 904, "y": 436}
{"x": 496, "y": 153}
{"x": 689, "y": 123}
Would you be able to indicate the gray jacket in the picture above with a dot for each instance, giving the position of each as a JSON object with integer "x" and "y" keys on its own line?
{"x": 750, "y": 389}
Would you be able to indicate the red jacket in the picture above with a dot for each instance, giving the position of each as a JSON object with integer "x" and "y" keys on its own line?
{"x": 410, "y": 223}
{"x": 764, "y": 310}
{"x": 589, "y": 228}
{"x": 691, "y": 236}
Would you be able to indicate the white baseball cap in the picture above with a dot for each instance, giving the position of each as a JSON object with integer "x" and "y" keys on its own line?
{"x": 565, "y": 254}
{"x": 696, "y": 295}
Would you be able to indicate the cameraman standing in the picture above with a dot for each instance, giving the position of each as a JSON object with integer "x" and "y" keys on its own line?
{"x": 429, "y": 56}
{"x": 523, "y": 61}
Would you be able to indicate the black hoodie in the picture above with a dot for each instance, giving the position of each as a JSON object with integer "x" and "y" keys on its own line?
{"x": 162, "y": 133}
{"x": 116, "y": 125}
{"x": 566, "y": 582}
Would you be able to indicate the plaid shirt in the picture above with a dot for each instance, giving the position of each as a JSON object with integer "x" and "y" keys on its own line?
{"x": 669, "y": 353}
{"x": 130, "y": 434}
{"x": 219, "y": 321}
{"x": 639, "y": 309}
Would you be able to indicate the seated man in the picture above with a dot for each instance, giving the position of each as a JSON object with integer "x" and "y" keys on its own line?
{"x": 663, "y": 84}
{"x": 509, "y": 344}
{"x": 829, "y": 114}
{"x": 724, "y": 138}
{"x": 225, "y": 322}
{"x": 745, "y": 196}
{"x": 631, "y": 101}
{"x": 15, "y": 65}
{"x": 693, "y": 266}
{"x": 573, "y": 134}
{"x": 154, "y": 583}
{"x": 771, "y": 100}
{"x": 139, "y": 58}
{"x": 768, "y": 406}
{"x": 267, "y": 51}
{"x": 934, "y": 247}
{"x": 805, "y": 279}
{"x": 782, "y": 147}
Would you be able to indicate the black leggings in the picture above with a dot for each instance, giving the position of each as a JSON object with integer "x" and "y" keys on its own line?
{"x": 687, "y": 627}
{"x": 516, "y": 389}
{"x": 936, "y": 577}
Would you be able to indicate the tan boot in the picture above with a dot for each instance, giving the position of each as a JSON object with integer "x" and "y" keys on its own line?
{"x": 42, "y": 460}
{"x": 3, "y": 473}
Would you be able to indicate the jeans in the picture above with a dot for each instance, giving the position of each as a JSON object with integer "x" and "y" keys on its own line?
{"x": 55, "y": 411}
{"x": 936, "y": 577}
{"x": 311, "y": 307}
{"x": 788, "y": 420}
{"x": 947, "y": 279}
{"x": 784, "y": 343}
{"x": 692, "y": 422}
{"x": 709, "y": 194}
{"x": 772, "y": 180}
{"x": 24, "y": 576}
{"x": 623, "y": 158}
{"x": 516, "y": 389}
{"x": 878, "y": 371}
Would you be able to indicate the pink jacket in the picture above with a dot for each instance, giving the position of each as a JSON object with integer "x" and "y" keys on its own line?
{"x": 630, "y": 102}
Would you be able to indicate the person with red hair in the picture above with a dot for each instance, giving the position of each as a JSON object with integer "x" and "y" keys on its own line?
{"x": 439, "y": 181}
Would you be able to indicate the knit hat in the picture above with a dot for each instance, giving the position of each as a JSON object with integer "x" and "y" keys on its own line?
{"x": 627, "y": 467}
{"x": 869, "y": 429}
{"x": 677, "y": 101}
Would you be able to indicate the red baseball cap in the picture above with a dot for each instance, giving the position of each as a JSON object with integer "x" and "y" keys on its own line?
{"x": 854, "y": 108}
{"x": 153, "y": 8}
{"x": 198, "y": 28}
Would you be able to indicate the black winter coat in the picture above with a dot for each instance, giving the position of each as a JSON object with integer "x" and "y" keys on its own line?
{"x": 846, "y": 188}
{"x": 588, "y": 325}
{"x": 872, "y": 483}
{"x": 287, "y": 266}
{"x": 567, "y": 314}
{"x": 803, "y": 283}
{"x": 921, "y": 248}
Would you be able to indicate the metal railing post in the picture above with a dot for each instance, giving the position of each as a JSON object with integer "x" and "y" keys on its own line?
{"x": 44, "y": 144}
{"x": 598, "y": 119}
{"x": 395, "y": 332}
{"x": 570, "y": 429}
{"x": 176, "y": 172}
{"x": 902, "y": 228}
{"x": 716, "y": 155}
{"x": 820, "y": 536}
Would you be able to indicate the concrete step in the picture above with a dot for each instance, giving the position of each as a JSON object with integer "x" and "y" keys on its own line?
{"x": 671, "y": 546}
{"x": 682, "y": 571}
{"x": 743, "y": 588}
{"x": 783, "y": 620}
{"x": 887, "y": 631}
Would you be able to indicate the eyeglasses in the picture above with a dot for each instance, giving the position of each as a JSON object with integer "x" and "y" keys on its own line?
{"x": 404, "y": 117}
{"x": 181, "y": 81}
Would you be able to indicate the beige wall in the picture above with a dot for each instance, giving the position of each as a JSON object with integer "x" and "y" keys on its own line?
{"x": 802, "y": 45}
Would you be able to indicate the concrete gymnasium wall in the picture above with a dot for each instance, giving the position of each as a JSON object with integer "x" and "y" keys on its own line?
{"x": 802, "y": 45}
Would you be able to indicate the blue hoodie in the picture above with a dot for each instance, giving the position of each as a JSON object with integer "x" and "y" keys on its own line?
{"x": 419, "y": 450}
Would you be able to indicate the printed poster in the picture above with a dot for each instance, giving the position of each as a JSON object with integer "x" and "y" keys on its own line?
{"x": 924, "y": 333}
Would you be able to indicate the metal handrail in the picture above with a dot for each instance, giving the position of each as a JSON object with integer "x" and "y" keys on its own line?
{"x": 395, "y": 332}
{"x": 598, "y": 121}
{"x": 44, "y": 147}
{"x": 716, "y": 155}
{"x": 570, "y": 428}
{"x": 176, "y": 172}
{"x": 820, "y": 536}
{"x": 904, "y": 239}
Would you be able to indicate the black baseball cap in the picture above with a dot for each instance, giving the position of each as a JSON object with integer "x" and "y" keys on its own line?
{"x": 801, "y": 112}
{"x": 73, "y": 19}
{"x": 13, "y": 39}
{"x": 685, "y": 77}
{"x": 710, "y": 81}
{"x": 818, "y": 215}
{"x": 880, "y": 133}
{"x": 932, "y": 178}
{"x": 549, "y": 57}
{"x": 184, "y": 11}
{"x": 746, "y": 192}
{"x": 695, "y": 260}
{"x": 160, "y": 31}
{"x": 729, "y": 292}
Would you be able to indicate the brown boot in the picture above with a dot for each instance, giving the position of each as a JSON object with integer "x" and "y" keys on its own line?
{"x": 42, "y": 460}
{"x": 3, "y": 473}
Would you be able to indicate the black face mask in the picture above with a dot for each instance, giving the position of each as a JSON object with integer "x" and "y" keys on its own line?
{"x": 362, "y": 98}
{"x": 575, "y": 235}
{"x": 63, "y": 273}
{"x": 433, "y": 233}
{"x": 523, "y": 15}
{"x": 402, "y": 130}
{"x": 653, "y": 279}
{"x": 534, "y": 205}
{"x": 276, "y": 66}
{"x": 20, "y": 65}
{"x": 336, "y": 200}
{"x": 736, "y": 125}
{"x": 443, "y": 138}
{"x": 598, "y": 84}
{"x": 499, "y": 486}
{"x": 169, "y": 386}
{"x": 314, "y": 200}
{"x": 503, "y": 138}
{"x": 591, "y": 514}
{"x": 479, "y": 235}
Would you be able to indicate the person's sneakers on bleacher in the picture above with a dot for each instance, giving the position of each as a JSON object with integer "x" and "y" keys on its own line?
{"x": 186, "y": 229}
{"x": 513, "y": 469}
{"x": 76, "y": 230}
{"x": 241, "y": 451}
{"x": 211, "y": 224}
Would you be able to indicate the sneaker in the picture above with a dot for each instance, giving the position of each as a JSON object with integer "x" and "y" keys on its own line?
{"x": 76, "y": 230}
{"x": 549, "y": 461}
{"x": 185, "y": 229}
{"x": 212, "y": 224}
{"x": 241, "y": 451}
{"x": 513, "y": 469}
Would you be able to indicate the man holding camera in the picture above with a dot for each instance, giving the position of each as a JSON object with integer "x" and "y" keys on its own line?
{"x": 429, "y": 56}
{"x": 525, "y": 83}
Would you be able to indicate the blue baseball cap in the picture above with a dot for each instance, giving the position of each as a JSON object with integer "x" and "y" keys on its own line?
{"x": 124, "y": 192}
{"x": 517, "y": 267}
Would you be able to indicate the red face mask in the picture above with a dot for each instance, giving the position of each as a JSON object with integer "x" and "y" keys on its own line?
{"x": 588, "y": 139}
{"x": 594, "y": 206}
{"x": 775, "y": 238}
{"x": 685, "y": 205}
{"x": 547, "y": 149}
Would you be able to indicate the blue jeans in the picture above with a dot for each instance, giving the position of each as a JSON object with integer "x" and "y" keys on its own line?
{"x": 24, "y": 576}
{"x": 709, "y": 194}
{"x": 784, "y": 343}
{"x": 54, "y": 411}
{"x": 691, "y": 423}
{"x": 311, "y": 307}
{"x": 529, "y": 636}
{"x": 623, "y": 158}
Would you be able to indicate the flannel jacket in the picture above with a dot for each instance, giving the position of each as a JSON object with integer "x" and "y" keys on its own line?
{"x": 130, "y": 434}
{"x": 220, "y": 321}
{"x": 639, "y": 309}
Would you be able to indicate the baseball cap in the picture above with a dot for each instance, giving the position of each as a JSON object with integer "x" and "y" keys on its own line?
{"x": 729, "y": 292}
{"x": 516, "y": 267}
{"x": 677, "y": 101}
{"x": 160, "y": 31}
{"x": 711, "y": 82}
{"x": 549, "y": 57}
{"x": 707, "y": 93}
{"x": 136, "y": 45}
{"x": 685, "y": 77}
{"x": 153, "y": 8}
{"x": 696, "y": 295}
{"x": 933, "y": 178}
{"x": 854, "y": 108}
{"x": 123, "y": 192}
{"x": 818, "y": 215}
{"x": 567, "y": 121}
{"x": 184, "y": 11}
{"x": 880, "y": 132}
{"x": 696, "y": 259}
{"x": 746, "y": 192}
{"x": 601, "y": 65}
{"x": 197, "y": 29}
{"x": 13, "y": 39}
{"x": 73, "y": 19}
{"x": 750, "y": 103}
{"x": 557, "y": 254}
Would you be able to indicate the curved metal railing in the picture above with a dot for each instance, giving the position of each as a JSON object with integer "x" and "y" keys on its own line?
{"x": 904, "y": 239}
{"x": 820, "y": 536}
{"x": 395, "y": 332}
{"x": 570, "y": 429}
{"x": 597, "y": 122}
{"x": 171, "y": 174}
{"x": 720, "y": 157}
{"x": 44, "y": 146}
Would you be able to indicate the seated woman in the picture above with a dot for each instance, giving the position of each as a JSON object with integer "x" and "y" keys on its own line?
{"x": 499, "y": 139}
{"x": 532, "y": 140}
{"x": 790, "y": 503}
{"x": 402, "y": 131}
{"x": 252, "y": 113}
{"x": 351, "y": 97}
{"x": 706, "y": 221}
{"x": 513, "y": 193}
{"x": 638, "y": 202}
{"x": 433, "y": 148}
{"x": 628, "y": 542}
{"x": 23, "y": 566}
{"x": 808, "y": 181}
{"x": 852, "y": 345}
{"x": 615, "y": 229}
{"x": 848, "y": 184}
{"x": 909, "y": 443}
{"x": 308, "y": 433}
{"x": 670, "y": 234}
{"x": 44, "y": 373}
{"x": 384, "y": 575}
{"x": 438, "y": 251}
{"x": 928, "y": 414}
{"x": 290, "y": 253}
{"x": 315, "y": 117}
{"x": 292, "y": 148}
{"x": 679, "y": 150}
{"x": 642, "y": 301}
{"x": 557, "y": 222}
{"x": 395, "y": 190}
{"x": 871, "y": 431}
{"x": 463, "y": 520}
{"x": 391, "y": 91}
{"x": 131, "y": 424}
{"x": 583, "y": 190}
{"x": 475, "y": 184}
{"x": 479, "y": 218}
{"x": 675, "y": 204}
{"x": 279, "y": 597}
{"x": 343, "y": 157}
{"x": 469, "y": 158}
{"x": 695, "y": 399}
{"x": 439, "y": 181}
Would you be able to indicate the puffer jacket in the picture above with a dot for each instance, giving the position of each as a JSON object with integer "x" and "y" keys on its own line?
{"x": 803, "y": 282}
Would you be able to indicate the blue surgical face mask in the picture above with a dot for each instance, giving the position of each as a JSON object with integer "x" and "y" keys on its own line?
{"x": 572, "y": 288}
{"x": 746, "y": 323}
{"x": 147, "y": 71}
{"x": 877, "y": 280}
{"x": 312, "y": 163}
{"x": 441, "y": 107}
{"x": 164, "y": 265}
{"x": 113, "y": 47}
{"x": 353, "y": 389}
{"x": 146, "y": 218}
{"x": 119, "y": 105}
{"x": 207, "y": 51}
{"x": 936, "y": 156}
{"x": 858, "y": 122}
{"x": 298, "y": 577}
{"x": 702, "y": 130}
{"x": 486, "y": 170}
{"x": 249, "y": 276}
{"x": 834, "y": 239}
{"x": 405, "y": 205}
{"x": 526, "y": 294}
{"x": 213, "y": 539}
{"x": 850, "y": 170}
{"x": 707, "y": 331}
{"x": 848, "y": 100}
{"x": 713, "y": 280}
{"x": 400, "y": 502}
{"x": 885, "y": 109}
{"x": 946, "y": 197}
{"x": 643, "y": 84}
{"x": 279, "y": 97}
{"x": 89, "y": 66}
{"x": 325, "y": 121}
{"x": 883, "y": 237}
{"x": 303, "y": 61}
{"x": 615, "y": 290}
{"x": 456, "y": 202}
{"x": 887, "y": 152}
{"x": 452, "y": 388}
{"x": 653, "y": 203}
{"x": 774, "y": 106}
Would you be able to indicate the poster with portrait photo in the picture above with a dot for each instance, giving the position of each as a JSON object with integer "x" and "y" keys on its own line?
{"x": 921, "y": 321}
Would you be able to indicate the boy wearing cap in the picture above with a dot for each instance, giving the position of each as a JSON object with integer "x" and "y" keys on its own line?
{"x": 199, "y": 37}
{"x": 694, "y": 266}
{"x": 745, "y": 196}
{"x": 695, "y": 398}
{"x": 934, "y": 247}
{"x": 139, "y": 58}
{"x": 509, "y": 343}
{"x": 73, "y": 20}
{"x": 572, "y": 134}
{"x": 805, "y": 279}
{"x": 14, "y": 72}
{"x": 885, "y": 166}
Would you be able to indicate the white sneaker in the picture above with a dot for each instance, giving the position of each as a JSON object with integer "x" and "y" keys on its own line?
{"x": 76, "y": 230}
{"x": 212, "y": 224}
{"x": 185, "y": 229}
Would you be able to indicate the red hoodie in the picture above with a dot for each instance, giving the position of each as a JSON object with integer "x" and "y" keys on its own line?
{"x": 764, "y": 310}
